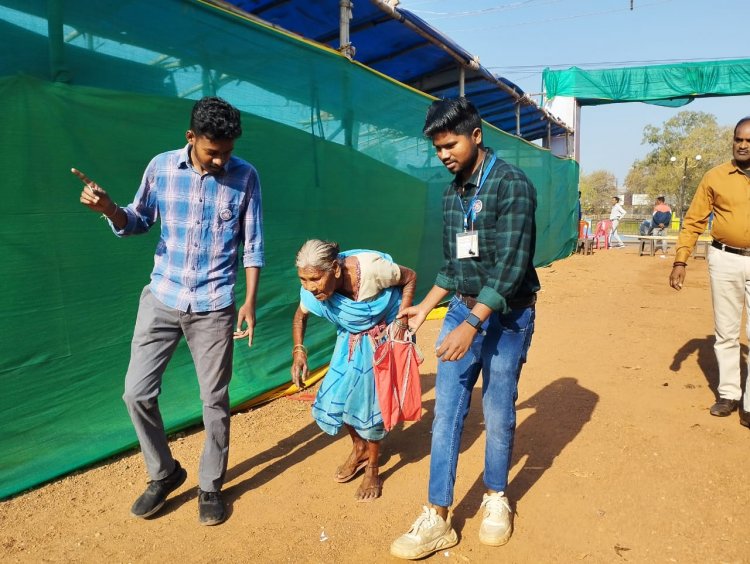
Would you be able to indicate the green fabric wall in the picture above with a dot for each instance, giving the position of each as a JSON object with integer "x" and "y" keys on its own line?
{"x": 340, "y": 155}
{"x": 71, "y": 287}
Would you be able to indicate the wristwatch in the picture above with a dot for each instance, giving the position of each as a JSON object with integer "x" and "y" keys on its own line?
{"x": 475, "y": 322}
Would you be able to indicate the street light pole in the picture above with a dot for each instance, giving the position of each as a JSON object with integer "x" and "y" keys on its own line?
{"x": 682, "y": 193}
{"x": 682, "y": 184}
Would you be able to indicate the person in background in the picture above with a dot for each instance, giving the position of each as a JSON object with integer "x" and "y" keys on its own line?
{"x": 489, "y": 237}
{"x": 645, "y": 228}
{"x": 208, "y": 203}
{"x": 360, "y": 292}
{"x": 723, "y": 192}
{"x": 615, "y": 215}
{"x": 660, "y": 221}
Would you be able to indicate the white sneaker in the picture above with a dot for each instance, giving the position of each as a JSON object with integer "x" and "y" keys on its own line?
{"x": 496, "y": 527}
{"x": 428, "y": 534}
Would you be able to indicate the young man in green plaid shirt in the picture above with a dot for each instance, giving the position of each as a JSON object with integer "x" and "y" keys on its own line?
{"x": 489, "y": 234}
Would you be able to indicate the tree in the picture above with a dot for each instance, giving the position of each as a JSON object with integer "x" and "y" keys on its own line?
{"x": 597, "y": 189}
{"x": 664, "y": 171}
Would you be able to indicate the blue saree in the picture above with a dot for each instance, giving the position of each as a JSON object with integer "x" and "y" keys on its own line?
{"x": 347, "y": 394}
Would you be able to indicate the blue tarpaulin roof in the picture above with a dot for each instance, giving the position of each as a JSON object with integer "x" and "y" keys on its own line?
{"x": 402, "y": 46}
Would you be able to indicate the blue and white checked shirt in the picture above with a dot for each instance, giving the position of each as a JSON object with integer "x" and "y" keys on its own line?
{"x": 204, "y": 219}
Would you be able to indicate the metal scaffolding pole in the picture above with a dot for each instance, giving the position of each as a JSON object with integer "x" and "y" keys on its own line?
{"x": 345, "y": 15}
{"x": 55, "y": 19}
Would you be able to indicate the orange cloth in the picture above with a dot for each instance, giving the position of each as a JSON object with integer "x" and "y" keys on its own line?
{"x": 724, "y": 190}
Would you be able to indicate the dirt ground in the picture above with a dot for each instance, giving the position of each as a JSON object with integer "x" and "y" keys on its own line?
{"x": 616, "y": 458}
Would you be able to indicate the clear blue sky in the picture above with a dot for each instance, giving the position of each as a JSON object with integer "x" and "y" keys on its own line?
{"x": 519, "y": 38}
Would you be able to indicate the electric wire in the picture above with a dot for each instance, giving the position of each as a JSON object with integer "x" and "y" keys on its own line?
{"x": 454, "y": 15}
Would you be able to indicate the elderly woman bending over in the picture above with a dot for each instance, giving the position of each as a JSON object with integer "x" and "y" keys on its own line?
{"x": 360, "y": 292}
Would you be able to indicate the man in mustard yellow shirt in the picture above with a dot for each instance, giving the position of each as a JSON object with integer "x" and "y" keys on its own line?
{"x": 725, "y": 191}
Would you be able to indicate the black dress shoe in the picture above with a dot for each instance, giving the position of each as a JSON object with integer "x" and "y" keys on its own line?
{"x": 211, "y": 508}
{"x": 156, "y": 494}
{"x": 745, "y": 418}
{"x": 723, "y": 407}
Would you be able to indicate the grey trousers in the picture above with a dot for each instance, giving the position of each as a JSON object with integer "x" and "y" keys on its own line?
{"x": 661, "y": 232}
{"x": 158, "y": 330}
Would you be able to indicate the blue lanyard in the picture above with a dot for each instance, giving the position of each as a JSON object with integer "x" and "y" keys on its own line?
{"x": 484, "y": 173}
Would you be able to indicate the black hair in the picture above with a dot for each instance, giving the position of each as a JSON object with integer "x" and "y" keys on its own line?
{"x": 661, "y": 199}
{"x": 616, "y": 198}
{"x": 215, "y": 119}
{"x": 739, "y": 123}
{"x": 454, "y": 115}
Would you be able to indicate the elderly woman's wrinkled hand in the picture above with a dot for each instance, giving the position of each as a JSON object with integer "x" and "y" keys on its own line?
{"x": 413, "y": 316}
{"x": 299, "y": 368}
{"x": 399, "y": 329}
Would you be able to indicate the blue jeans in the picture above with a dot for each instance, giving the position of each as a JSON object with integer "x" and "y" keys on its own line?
{"x": 499, "y": 354}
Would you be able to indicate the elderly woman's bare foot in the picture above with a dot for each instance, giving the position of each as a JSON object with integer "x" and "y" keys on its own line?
{"x": 371, "y": 487}
{"x": 356, "y": 461}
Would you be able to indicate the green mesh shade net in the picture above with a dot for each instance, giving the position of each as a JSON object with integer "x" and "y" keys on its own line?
{"x": 663, "y": 85}
{"x": 104, "y": 86}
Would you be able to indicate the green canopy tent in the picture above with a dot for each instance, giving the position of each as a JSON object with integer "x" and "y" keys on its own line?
{"x": 664, "y": 85}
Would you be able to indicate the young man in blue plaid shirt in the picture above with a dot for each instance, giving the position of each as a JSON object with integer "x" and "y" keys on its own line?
{"x": 489, "y": 236}
{"x": 208, "y": 203}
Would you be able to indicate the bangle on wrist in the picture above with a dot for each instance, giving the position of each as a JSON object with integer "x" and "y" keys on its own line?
{"x": 678, "y": 263}
{"x": 401, "y": 325}
{"x": 114, "y": 212}
{"x": 300, "y": 348}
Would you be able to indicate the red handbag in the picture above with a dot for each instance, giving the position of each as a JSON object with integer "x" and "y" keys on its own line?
{"x": 396, "y": 369}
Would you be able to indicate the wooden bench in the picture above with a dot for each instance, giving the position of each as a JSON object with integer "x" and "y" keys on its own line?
{"x": 648, "y": 245}
{"x": 701, "y": 247}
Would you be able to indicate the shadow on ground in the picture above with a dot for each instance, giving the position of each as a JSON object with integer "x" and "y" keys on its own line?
{"x": 704, "y": 348}
{"x": 410, "y": 443}
{"x": 561, "y": 410}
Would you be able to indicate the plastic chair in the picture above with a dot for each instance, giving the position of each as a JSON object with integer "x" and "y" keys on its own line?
{"x": 601, "y": 233}
{"x": 585, "y": 242}
{"x": 583, "y": 229}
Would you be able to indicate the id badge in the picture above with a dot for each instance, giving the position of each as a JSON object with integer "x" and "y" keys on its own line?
{"x": 467, "y": 245}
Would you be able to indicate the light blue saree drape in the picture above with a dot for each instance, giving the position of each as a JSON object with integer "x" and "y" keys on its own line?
{"x": 347, "y": 393}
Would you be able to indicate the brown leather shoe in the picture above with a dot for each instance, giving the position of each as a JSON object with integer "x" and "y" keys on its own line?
{"x": 723, "y": 407}
{"x": 745, "y": 418}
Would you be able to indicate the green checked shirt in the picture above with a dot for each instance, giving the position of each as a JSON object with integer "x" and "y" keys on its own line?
{"x": 507, "y": 237}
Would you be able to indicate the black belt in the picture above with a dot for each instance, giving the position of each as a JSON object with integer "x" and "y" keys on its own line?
{"x": 513, "y": 303}
{"x": 734, "y": 250}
